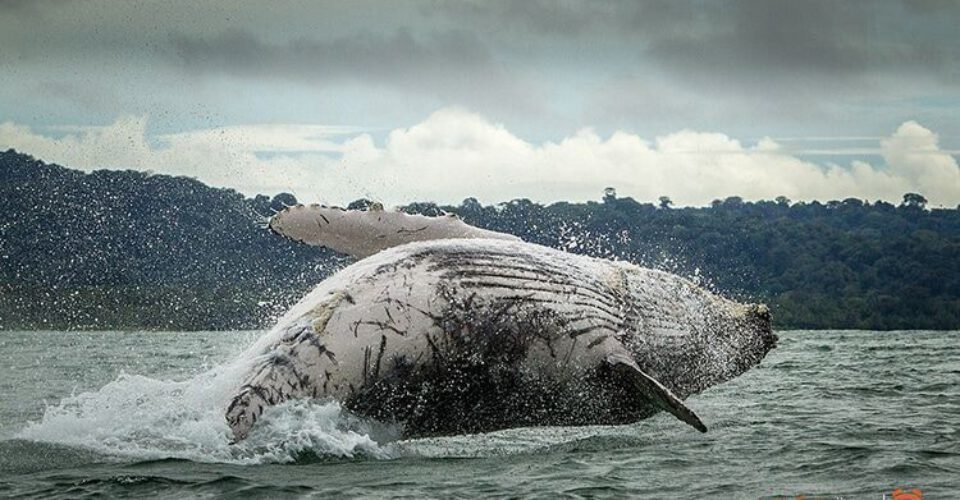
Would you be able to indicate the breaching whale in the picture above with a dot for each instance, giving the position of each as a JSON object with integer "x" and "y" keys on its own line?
{"x": 446, "y": 329}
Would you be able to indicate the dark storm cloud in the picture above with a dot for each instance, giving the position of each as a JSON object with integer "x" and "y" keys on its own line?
{"x": 451, "y": 64}
{"x": 938, "y": 6}
{"x": 769, "y": 37}
{"x": 827, "y": 38}
{"x": 87, "y": 97}
{"x": 366, "y": 56}
{"x": 16, "y": 6}
{"x": 542, "y": 67}
{"x": 564, "y": 19}
{"x": 745, "y": 37}
{"x": 734, "y": 64}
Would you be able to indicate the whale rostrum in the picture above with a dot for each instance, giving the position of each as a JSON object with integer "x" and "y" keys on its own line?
{"x": 449, "y": 329}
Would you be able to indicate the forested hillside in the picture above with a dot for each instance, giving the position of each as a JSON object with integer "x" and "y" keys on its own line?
{"x": 126, "y": 249}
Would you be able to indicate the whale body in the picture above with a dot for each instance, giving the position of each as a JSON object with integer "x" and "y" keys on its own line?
{"x": 474, "y": 334}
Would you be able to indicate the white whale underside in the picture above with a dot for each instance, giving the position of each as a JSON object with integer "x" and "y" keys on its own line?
{"x": 420, "y": 332}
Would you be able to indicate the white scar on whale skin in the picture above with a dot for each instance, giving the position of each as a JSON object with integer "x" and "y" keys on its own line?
{"x": 425, "y": 331}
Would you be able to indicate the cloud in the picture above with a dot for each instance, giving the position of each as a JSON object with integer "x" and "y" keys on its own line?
{"x": 754, "y": 37}
{"x": 443, "y": 64}
{"x": 544, "y": 67}
{"x": 361, "y": 56}
{"x": 281, "y": 138}
{"x": 226, "y": 157}
{"x": 915, "y": 152}
{"x": 454, "y": 154}
{"x": 750, "y": 38}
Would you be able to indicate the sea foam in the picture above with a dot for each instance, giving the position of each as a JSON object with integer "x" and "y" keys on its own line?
{"x": 142, "y": 418}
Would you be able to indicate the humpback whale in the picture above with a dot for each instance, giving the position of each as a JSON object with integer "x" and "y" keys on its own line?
{"x": 446, "y": 328}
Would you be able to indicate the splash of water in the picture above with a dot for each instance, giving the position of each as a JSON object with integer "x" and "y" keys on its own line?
{"x": 141, "y": 418}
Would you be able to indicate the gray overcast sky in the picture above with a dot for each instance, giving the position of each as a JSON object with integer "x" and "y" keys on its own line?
{"x": 346, "y": 99}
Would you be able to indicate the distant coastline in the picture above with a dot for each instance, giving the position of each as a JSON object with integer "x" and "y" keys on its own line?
{"x": 130, "y": 250}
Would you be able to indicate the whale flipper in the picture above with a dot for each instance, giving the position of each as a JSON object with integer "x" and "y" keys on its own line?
{"x": 361, "y": 233}
{"x": 653, "y": 391}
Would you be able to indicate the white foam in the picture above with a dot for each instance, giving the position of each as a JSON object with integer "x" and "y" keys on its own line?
{"x": 141, "y": 418}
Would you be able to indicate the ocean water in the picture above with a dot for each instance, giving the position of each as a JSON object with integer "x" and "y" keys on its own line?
{"x": 829, "y": 414}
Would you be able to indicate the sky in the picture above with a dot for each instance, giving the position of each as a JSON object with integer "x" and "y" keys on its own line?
{"x": 549, "y": 100}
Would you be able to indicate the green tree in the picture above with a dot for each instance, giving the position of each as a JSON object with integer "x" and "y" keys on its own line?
{"x": 914, "y": 200}
{"x": 609, "y": 195}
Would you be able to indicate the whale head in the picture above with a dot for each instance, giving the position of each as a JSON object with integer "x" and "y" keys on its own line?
{"x": 689, "y": 337}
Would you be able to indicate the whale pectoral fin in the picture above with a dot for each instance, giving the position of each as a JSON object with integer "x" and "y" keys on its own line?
{"x": 362, "y": 233}
{"x": 298, "y": 366}
{"x": 275, "y": 378}
{"x": 245, "y": 408}
{"x": 652, "y": 390}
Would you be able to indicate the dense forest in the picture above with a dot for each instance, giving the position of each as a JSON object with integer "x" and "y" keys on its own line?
{"x": 128, "y": 249}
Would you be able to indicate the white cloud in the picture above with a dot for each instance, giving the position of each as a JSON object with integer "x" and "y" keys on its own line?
{"x": 914, "y": 151}
{"x": 263, "y": 138}
{"x": 454, "y": 154}
{"x": 225, "y": 157}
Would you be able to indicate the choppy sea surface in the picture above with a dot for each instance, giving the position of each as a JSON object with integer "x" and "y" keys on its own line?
{"x": 848, "y": 414}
